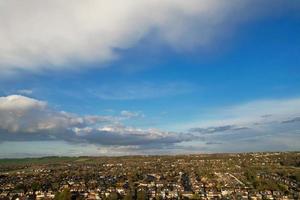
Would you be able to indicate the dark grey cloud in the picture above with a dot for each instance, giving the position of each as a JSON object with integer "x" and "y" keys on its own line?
{"x": 294, "y": 120}
{"x": 101, "y": 137}
{"x": 266, "y": 116}
{"x": 124, "y": 138}
{"x": 213, "y": 143}
{"x": 216, "y": 129}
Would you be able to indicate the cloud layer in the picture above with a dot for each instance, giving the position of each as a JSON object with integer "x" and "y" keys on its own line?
{"x": 256, "y": 126}
{"x": 37, "y": 35}
{"x": 28, "y": 119}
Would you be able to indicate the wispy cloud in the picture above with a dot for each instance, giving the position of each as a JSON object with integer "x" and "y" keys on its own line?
{"x": 24, "y": 92}
{"x": 247, "y": 114}
{"x": 259, "y": 125}
{"x": 132, "y": 114}
{"x": 143, "y": 90}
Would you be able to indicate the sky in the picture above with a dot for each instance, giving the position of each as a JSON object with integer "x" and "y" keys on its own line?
{"x": 87, "y": 77}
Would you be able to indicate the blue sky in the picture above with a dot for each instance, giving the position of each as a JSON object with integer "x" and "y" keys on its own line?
{"x": 192, "y": 77}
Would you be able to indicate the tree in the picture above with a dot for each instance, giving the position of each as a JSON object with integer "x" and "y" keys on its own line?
{"x": 36, "y": 186}
{"x": 196, "y": 196}
{"x": 113, "y": 196}
{"x": 128, "y": 196}
{"x": 64, "y": 195}
{"x": 141, "y": 195}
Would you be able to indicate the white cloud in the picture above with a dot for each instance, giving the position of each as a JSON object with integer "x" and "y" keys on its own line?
{"x": 18, "y": 103}
{"x": 23, "y": 114}
{"x": 52, "y": 34}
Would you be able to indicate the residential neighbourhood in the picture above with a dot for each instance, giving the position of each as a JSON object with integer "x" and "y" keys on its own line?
{"x": 201, "y": 176}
